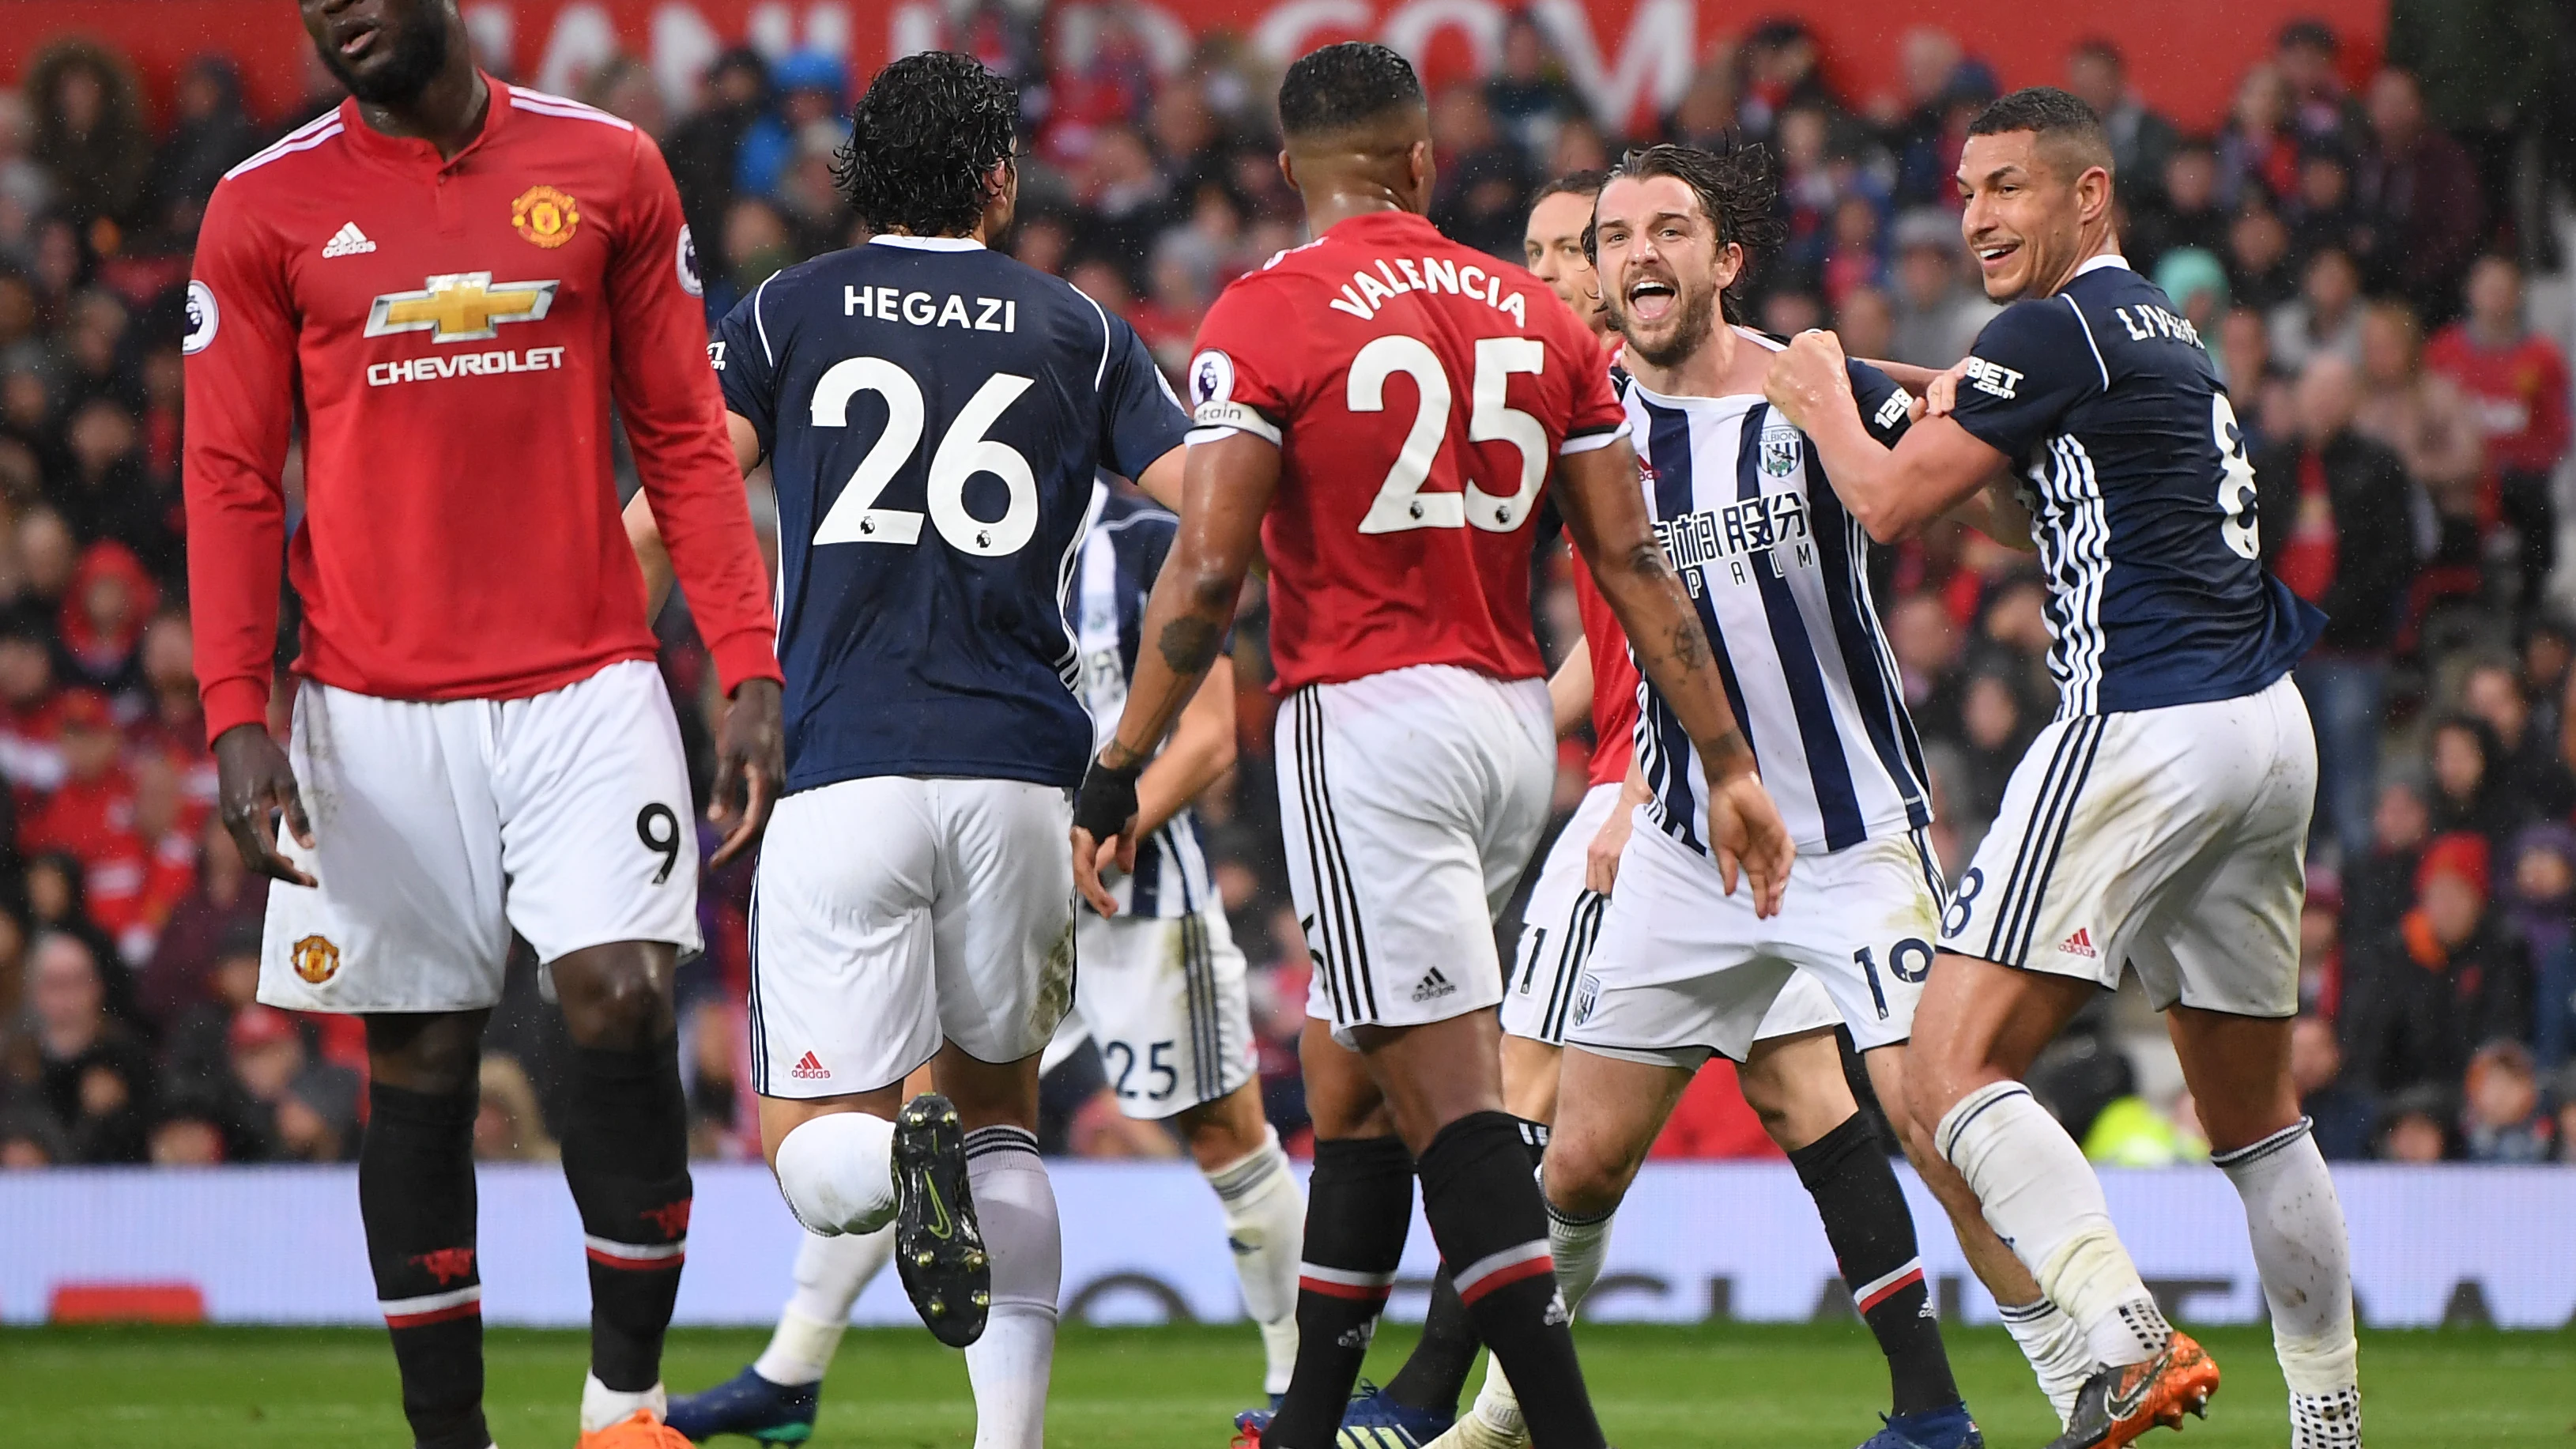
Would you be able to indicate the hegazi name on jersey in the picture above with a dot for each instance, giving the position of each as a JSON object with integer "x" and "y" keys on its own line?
{"x": 923, "y": 309}
{"x": 1368, "y": 291}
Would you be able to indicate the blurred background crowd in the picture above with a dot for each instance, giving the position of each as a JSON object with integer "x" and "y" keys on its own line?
{"x": 2374, "y": 257}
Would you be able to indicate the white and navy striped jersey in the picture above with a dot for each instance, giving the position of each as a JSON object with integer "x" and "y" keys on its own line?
{"x": 1779, "y": 572}
{"x": 1112, "y": 576}
{"x": 2140, "y": 495}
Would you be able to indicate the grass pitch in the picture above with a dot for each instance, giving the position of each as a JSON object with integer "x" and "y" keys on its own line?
{"x": 1776, "y": 1386}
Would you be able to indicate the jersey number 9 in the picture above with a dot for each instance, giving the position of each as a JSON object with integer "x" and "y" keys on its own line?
{"x": 1401, "y": 504}
{"x": 963, "y": 452}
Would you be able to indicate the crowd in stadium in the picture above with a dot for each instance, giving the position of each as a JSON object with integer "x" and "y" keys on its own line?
{"x": 2353, "y": 256}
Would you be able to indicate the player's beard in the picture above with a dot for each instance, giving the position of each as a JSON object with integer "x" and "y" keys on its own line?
{"x": 419, "y": 53}
{"x": 1697, "y": 324}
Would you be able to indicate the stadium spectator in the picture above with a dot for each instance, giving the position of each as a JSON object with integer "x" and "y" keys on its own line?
{"x": 2335, "y": 528}
{"x": 2197, "y": 283}
{"x": 2416, "y": 1126}
{"x": 2340, "y": 1116}
{"x": 2425, "y": 995}
{"x": 1482, "y": 194}
{"x": 807, "y": 86}
{"x": 2257, "y": 157}
{"x": 1528, "y": 94}
{"x": 2141, "y": 139}
{"x": 2517, "y": 380}
{"x": 507, "y": 1125}
{"x": 2425, "y": 419}
{"x": 2420, "y": 191}
{"x": 1865, "y": 321}
{"x": 90, "y": 131}
{"x": 2321, "y": 107}
{"x": 2502, "y": 1116}
{"x": 211, "y": 133}
{"x": 1938, "y": 311}
{"x": 2528, "y": 767}
{"x": 2260, "y": 269}
{"x": 300, "y": 1108}
{"x": 97, "y": 1076}
{"x": 2540, "y": 899}
{"x": 2325, "y": 318}
{"x": 2321, "y": 944}
{"x": 2186, "y": 213}
{"x": 701, "y": 148}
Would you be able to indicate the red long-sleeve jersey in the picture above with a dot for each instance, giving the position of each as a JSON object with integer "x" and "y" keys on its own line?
{"x": 452, "y": 331}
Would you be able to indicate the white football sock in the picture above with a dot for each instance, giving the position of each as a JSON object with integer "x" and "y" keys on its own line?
{"x": 2058, "y": 1352}
{"x": 831, "y": 1273}
{"x": 1265, "y": 1226}
{"x": 1578, "y": 1244}
{"x": 1009, "y": 1365}
{"x": 602, "y": 1406}
{"x": 837, "y": 1173}
{"x": 2041, "y": 1196}
{"x": 2305, "y": 1261}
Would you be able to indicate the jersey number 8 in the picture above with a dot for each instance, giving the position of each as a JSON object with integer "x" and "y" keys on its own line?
{"x": 2240, "y": 528}
{"x": 962, "y": 453}
{"x": 1401, "y": 504}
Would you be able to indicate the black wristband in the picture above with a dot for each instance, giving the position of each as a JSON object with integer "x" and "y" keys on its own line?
{"x": 1107, "y": 800}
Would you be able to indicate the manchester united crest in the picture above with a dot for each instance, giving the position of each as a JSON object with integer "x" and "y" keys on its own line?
{"x": 545, "y": 216}
{"x": 316, "y": 959}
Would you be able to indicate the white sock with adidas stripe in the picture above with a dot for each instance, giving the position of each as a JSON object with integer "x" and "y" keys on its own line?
{"x": 1265, "y": 1226}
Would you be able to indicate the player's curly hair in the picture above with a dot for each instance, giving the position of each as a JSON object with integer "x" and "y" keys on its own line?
{"x": 923, "y": 140}
{"x": 1342, "y": 86}
{"x": 1736, "y": 187}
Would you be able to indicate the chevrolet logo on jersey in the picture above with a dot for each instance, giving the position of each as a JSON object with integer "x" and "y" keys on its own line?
{"x": 460, "y": 307}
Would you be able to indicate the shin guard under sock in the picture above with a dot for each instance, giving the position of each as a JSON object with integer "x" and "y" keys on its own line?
{"x": 416, "y": 1197}
{"x": 1435, "y": 1373}
{"x": 1359, "y": 1206}
{"x": 626, "y": 1155}
{"x": 1485, "y": 1212}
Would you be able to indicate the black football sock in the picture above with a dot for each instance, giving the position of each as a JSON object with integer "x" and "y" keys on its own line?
{"x": 626, "y": 1154}
{"x": 416, "y": 1197}
{"x": 1872, "y": 1233}
{"x": 1486, "y": 1214}
{"x": 1435, "y": 1374}
{"x": 1359, "y": 1206}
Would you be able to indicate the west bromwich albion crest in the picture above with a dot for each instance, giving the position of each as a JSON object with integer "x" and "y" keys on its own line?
{"x": 1781, "y": 447}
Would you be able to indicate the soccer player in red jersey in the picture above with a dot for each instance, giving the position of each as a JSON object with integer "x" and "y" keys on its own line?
{"x": 447, "y": 281}
{"x": 1379, "y": 412}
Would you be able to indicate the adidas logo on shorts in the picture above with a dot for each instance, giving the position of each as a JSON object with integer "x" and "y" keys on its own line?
{"x": 808, "y": 1069}
{"x": 1434, "y": 986}
{"x": 2079, "y": 944}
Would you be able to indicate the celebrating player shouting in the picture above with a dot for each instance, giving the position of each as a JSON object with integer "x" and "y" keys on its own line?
{"x": 2158, "y": 821}
{"x": 1378, "y": 412}
{"x": 454, "y": 278}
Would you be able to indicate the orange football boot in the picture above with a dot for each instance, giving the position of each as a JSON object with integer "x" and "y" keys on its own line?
{"x": 2117, "y": 1405}
{"x": 639, "y": 1430}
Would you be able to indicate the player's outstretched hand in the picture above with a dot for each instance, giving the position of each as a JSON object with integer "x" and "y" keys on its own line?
{"x": 1104, "y": 830}
{"x": 751, "y": 765}
{"x": 1749, "y": 835}
{"x": 1807, "y": 376}
{"x": 253, "y": 785}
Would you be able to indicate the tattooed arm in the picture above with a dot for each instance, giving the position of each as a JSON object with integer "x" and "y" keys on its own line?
{"x": 1226, "y": 486}
{"x": 1605, "y": 514}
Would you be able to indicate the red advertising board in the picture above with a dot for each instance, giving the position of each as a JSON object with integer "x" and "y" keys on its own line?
{"x": 1631, "y": 57}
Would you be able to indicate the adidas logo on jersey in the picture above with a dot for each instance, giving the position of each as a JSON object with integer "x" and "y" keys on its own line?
{"x": 348, "y": 241}
{"x": 808, "y": 1069}
{"x": 2079, "y": 944}
{"x": 1434, "y": 986}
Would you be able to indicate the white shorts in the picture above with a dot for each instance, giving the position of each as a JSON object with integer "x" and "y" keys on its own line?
{"x": 1409, "y": 803}
{"x": 1683, "y": 969}
{"x": 2171, "y": 840}
{"x": 892, "y": 913}
{"x": 1166, "y": 1000}
{"x": 439, "y": 828}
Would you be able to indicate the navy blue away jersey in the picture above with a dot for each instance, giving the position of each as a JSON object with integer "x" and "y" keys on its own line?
{"x": 933, "y": 414}
{"x": 2140, "y": 494}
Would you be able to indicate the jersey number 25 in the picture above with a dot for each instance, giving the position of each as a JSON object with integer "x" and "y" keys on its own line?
{"x": 1400, "y": 503}
{"x": 963, "y": 452}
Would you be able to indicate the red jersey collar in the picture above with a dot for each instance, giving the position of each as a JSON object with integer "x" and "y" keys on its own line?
{"x": 1382, "y": 225}
{"x": 411, "y": 150}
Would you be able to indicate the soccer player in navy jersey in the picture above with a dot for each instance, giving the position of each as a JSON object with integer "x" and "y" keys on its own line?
{"x": 2158, "y": 823}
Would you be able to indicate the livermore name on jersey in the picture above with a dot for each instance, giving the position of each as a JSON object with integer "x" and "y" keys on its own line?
{"x": 1778, "y": 571}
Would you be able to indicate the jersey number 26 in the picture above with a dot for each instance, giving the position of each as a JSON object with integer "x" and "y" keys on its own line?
{"x": 1400, "y": 503}
{"x": 963, "y": 452}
